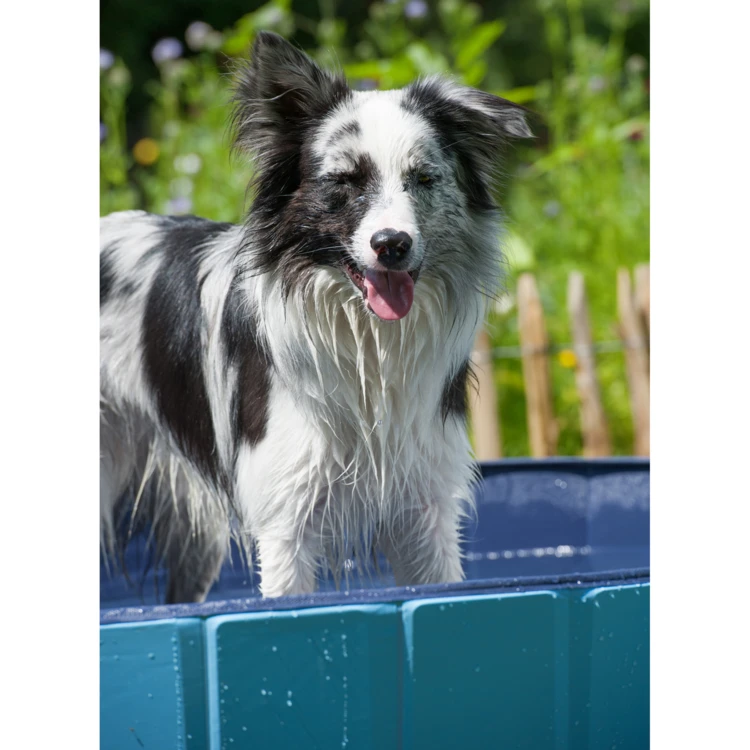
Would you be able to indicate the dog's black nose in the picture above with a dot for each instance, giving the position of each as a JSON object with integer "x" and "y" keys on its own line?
{"x": 391, "y": 246}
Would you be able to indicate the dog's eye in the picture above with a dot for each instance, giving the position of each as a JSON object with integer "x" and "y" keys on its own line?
{"x": 425, "y": 179}
{"x": 344, "y": 178}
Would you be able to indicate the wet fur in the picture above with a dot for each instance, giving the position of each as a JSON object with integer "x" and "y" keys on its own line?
{"x": 245, "y": 386}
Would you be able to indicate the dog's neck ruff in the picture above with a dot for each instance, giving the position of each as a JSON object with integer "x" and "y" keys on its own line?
{"x": 374, "y": 389}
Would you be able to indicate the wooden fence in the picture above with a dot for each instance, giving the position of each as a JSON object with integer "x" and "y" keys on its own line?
{"x": 633, "y": 312}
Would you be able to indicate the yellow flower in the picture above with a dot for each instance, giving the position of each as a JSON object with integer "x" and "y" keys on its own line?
{"x": 567, "y": 358}
{"x": 146, "y": 151}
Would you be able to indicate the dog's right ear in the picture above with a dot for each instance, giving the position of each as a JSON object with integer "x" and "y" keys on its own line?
{"x": 280, "y": 93}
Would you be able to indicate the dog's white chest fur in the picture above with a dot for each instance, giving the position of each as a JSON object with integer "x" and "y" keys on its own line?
{"x": 356, "y": 439}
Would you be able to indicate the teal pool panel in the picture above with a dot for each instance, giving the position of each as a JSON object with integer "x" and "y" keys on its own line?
{"x": 610, "y": 708}
{"x": 551, "y": 670}
{"x": 316, "y": 678}
{"x": 152, "y": 685}
{"x": 482, "y": 672}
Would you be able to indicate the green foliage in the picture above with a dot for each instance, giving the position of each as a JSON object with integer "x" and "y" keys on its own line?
{"x": 577, "y": 198}
{"x": 582, "y": 203}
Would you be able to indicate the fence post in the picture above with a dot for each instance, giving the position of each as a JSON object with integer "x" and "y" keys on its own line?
{"x": 636, "y": 361}
{"x": 594, "y": 428}
{"x": 536, "y": 372}
{"x": 643, "y": 299}
{"x": 484, "y": 421}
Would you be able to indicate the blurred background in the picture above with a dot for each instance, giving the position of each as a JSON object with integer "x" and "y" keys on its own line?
{"x": 576, "y": 198}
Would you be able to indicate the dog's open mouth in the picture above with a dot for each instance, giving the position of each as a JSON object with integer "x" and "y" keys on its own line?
{"x": 389, "y": 294}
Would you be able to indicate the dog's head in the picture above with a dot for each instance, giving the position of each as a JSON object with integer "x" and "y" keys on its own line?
{"x": 387, "y": 188}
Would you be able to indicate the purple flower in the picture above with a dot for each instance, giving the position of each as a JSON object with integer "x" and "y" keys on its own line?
{"x": 415, "y": 9}
{"x": 166, "y": 49}
{"x": 106, "y": 59}
{"x": 196, "y": 35}
{"x": 102, "y": 131}
{"x": 597, "y": 84}
{"x": 180, "y": 205}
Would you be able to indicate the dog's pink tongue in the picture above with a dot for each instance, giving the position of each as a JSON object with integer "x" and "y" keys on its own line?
{"x": 390, "y": 294}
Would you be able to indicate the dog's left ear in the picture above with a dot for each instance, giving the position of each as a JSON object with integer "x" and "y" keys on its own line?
{"x": 467, "y": 113}
{"x": 508, "y": 117}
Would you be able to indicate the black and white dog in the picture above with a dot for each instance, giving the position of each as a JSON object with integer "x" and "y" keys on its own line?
{"x": 305, "y": 373}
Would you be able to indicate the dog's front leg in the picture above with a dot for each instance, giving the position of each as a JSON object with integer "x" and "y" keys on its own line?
{"x": 422, "y": 543}
{"x": 289, "y": 562}
{"x": 272, "y": 496}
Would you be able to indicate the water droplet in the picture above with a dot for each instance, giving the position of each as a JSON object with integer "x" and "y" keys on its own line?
{"x": 273, "y": 648}
{"x": 477, "y": 669}
{"x": 116, "y": 657}
{"x": 190, "y": 736}
{"x": 262, "y": 692}
{"x": 328, "y": 677}
{"x": 152, "y": 656}
{"x": 150, "y": 695}
{"x": 288, "y": 693}
{"x": 289, "y": 703}
{"x": 244, "y": 729}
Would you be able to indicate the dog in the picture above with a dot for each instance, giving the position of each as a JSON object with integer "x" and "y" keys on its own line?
{"x": 300, "y": 380}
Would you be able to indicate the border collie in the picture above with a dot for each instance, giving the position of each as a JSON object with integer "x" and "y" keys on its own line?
{"x": 300, "y": 380}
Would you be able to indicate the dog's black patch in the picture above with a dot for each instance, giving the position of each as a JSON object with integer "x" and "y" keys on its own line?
{"x": 171, "y": 337}
{"x": 245, "y": 350}
{"x": 468, "y": 131}
{"x": 280, "y": 96}
{"x": 313, "y": 229}
{"x": 106, "y": 273}
{"x": 455, "y": 393}
{"x": 300, "y": 223}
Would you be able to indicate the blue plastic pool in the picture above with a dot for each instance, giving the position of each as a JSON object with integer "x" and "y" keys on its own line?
{"x": 545, "y": 645}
